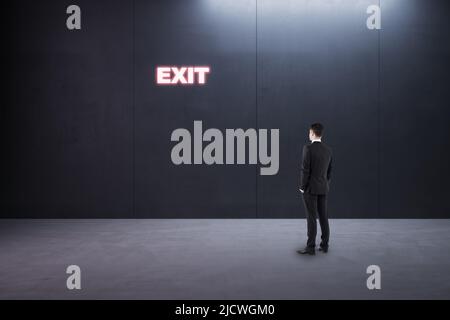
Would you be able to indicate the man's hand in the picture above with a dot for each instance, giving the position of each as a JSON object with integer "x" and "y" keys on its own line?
{"x": 301, "y": 191}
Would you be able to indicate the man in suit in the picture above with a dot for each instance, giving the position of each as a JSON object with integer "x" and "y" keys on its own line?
{"x": 314, "y": 185}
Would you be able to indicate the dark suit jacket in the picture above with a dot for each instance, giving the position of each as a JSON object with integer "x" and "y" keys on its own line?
{"x": 316, "y": 168}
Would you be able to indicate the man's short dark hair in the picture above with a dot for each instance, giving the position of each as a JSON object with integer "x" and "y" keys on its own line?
{"x": 317, "y": 128}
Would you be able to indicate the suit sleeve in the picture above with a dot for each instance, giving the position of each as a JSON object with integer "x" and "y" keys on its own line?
{"x": 306, "y": 169}
{"x": 330, "y": 166}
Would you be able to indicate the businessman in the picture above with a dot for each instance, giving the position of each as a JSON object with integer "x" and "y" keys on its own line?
{"x": 314, "y": 186}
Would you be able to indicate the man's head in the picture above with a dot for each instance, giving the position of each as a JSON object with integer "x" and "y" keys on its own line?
{"x": 315, "y": 131}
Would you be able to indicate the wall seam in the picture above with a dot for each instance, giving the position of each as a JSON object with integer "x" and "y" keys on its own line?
{"x": 379, "y": 120}
{"x": 134, "y": 109}
{"x": 256, "y": 99}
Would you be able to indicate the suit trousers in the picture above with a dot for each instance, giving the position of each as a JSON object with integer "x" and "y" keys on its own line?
{"x": 316, "y": 206}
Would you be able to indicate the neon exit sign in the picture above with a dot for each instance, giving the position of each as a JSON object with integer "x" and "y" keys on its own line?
{"x": 185, "y": 75}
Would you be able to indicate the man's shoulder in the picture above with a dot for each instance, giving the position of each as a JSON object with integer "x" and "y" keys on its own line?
{"x": 327, "y": 147}
{"x": 310, "y": 146}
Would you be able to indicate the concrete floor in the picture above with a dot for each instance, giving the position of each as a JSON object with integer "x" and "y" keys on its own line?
{"x": 222, "y": 259}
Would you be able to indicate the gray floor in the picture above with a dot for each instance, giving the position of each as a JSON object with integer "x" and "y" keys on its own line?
{"x": 222, "y": 259}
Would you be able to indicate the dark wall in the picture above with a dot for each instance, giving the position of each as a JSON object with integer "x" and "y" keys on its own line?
{"x": 193, "y": 33}
{"x": 414, "y": 103}
{"x": 317, "y": 61}
{"x": 67, "y": 124}
{"x": 86, "y": 131}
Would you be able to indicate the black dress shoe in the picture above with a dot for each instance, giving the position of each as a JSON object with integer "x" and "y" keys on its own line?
{"x": 324, "y": 249}
{"x": 310, "y": 251}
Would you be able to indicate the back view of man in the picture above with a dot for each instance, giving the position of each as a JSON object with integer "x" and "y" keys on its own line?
{"x": 314, "y": 185}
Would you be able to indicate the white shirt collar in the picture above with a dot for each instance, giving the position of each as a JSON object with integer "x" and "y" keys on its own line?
{"x": 316, "y": 140}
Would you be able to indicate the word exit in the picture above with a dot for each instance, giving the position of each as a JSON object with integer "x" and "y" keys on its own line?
{"x": 182, "y": 75}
